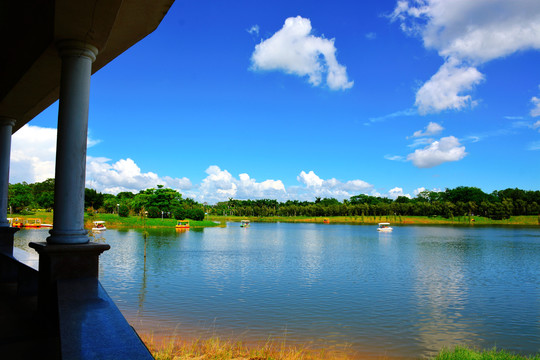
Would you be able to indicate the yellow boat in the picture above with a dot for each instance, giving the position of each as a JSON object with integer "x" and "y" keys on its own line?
{"x": 182, "y": 224}
{"x": 32, "y": 223}
{"x": 17, "y": 222}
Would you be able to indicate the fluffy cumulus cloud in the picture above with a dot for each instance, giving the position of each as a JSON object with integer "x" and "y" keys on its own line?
{"x": 220, "y": 185}
{"x": 34, "y": 151}
{"x": 125, "y": 175}
{"x": 33, "y": 154}
{"x": 294, "y": 50}
{"x": 466, "y": 34}
{"x": 438, "y": 152}
{"x": 314, "y": 186}
{"x": 445, "y": 89}
{"x": 397, "y": 192}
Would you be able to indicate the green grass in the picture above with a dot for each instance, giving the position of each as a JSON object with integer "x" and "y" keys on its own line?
{"x": 115, "y": 221}
{"x": 394, "y": 219}
{"x": 214, "y": 348}
{"x": 463, "y": 353}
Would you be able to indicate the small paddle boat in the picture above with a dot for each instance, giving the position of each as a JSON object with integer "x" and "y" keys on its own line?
{"x": 182, "y": 224}
{"x": 244, "y": 223}
{"x": 384, "y": 227}
{"x": 99, "y": 225}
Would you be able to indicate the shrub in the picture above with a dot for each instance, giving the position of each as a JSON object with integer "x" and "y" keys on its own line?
{"x": 123, "y": 211}
{"x": 153, "y": 212}
{"x": 195, "y": 214}
{"x": 180, "y": 214}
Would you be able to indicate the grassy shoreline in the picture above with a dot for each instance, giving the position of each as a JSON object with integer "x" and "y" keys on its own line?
{"x": 394, "y": 219}
{"x": 218, "y": 349}
{"x": 114, "y": 221}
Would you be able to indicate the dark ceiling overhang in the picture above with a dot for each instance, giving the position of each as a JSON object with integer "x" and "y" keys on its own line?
{"x": 30, "y": 29}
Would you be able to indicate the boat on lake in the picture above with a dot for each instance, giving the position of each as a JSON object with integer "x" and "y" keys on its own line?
{"x": 99, "y": 225}
{"x": 326, "y": 221}
{"x": 244, "y": 223}
{"x": 182, "y": 224}
{"x": 17, "y": 222}
{"x": 384, "y": 227}
{"x": 32, "y": 223}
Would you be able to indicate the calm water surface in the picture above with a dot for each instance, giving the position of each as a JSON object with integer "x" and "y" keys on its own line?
{"x": 404, "y": 294}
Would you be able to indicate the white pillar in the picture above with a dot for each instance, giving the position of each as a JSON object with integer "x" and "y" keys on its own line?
{"x": 68, "y": 224}
{"x": 6, "y": 128}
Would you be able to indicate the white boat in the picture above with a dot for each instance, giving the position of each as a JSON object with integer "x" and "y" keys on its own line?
{"x": 244, "y": 223}
{"x": 384, "y": 227}
{"x": 99, "y": 226}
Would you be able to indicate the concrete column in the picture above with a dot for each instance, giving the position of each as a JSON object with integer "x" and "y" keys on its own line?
{"x": 6, "y": 127}
{"x": 77, "y": 58}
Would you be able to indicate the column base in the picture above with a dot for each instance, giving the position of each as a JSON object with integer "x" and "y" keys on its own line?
{"x": 6, "y": 239}
{"x": 8, "y": 269}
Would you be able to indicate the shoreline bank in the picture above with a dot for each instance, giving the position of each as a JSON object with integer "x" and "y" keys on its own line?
{"x": 113, "y": 221}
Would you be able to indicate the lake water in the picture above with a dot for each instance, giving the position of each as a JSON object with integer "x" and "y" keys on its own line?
{"x": 404, "y": 294}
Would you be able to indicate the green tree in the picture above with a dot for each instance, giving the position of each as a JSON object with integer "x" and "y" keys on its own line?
{"x": 123, "y": 211}
{"x": 20, "y": 196}
{"x": 153, "y": 212}
{"x": 195, "y": 214}
{"x": 92, "y": 198}
{"x": 46, "y": 200}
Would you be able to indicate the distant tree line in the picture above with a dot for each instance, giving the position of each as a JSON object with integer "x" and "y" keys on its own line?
{"x": 154, "y": 203}
{"x": 165, "y": 202}
{"x": 460, "y": 201}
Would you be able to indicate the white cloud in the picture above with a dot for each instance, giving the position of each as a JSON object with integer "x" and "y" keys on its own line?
{"x": 331, "y": 188}
{"x": 536, "y": 125}
{"x": 420, "y": 142}
{"x": 400, "y": 113}
{"x": 397, "y": 192}
{"x": 254, "y": 30}
{"x": 443, "y": 91}
{"x": 431, "y": 129}
{"x": 536, "y": 110}
{"x": 438, "y": 152}
{"x": 293, "y": 50}
{"x": 220, "y": 185}
{"x": 466, "y": 34}
{"x": 394, "y": 157}
{"x": 310, "y": 179}
{"x": 33, "y": 154}
{"x": 125, "y": 175}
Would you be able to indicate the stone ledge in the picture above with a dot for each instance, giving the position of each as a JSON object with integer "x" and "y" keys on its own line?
{"x": 92, "y": 326}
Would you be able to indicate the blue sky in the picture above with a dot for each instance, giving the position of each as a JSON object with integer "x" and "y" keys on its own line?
{"x": 299, "y": 99}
